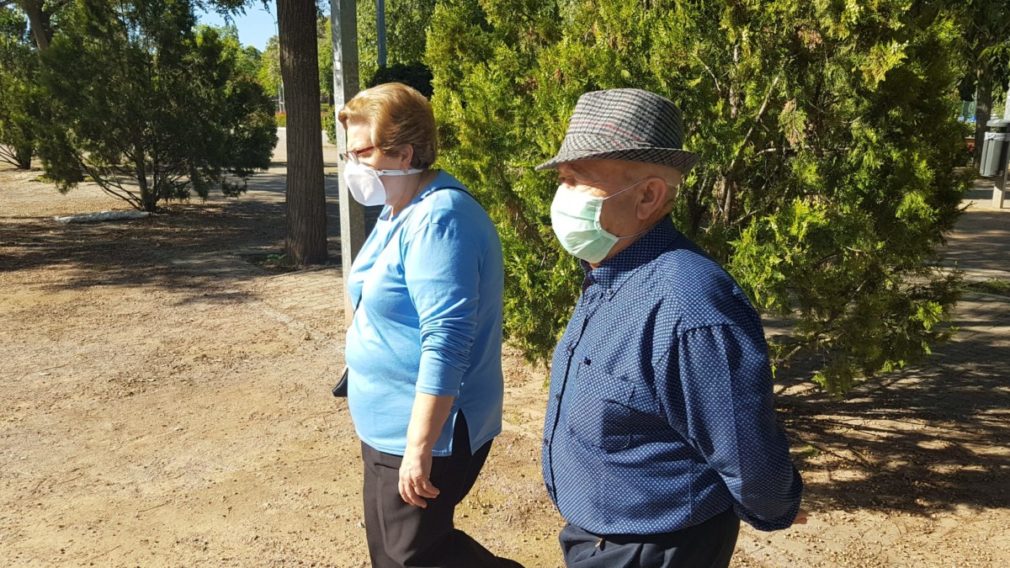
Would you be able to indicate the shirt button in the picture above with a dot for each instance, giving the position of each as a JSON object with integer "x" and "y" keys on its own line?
{"x": 546, "y": 441}
{"x": 570, "y": 349}
{"x": 587, "y": 361}
{"x": 557, "y": 396}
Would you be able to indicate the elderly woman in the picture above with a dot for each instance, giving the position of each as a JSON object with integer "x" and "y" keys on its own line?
{"x": 424, "y": 350}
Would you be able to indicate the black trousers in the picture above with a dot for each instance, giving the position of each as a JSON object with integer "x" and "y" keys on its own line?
{"x": 707, "y": 545}
{"x": 403, "y": 536}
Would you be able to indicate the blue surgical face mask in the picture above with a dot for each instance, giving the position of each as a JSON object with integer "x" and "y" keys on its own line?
{"x": 575, "y": 218}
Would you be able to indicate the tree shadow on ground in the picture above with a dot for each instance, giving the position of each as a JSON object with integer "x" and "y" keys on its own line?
{"x": 928, "y": 439}
{"x": 975, "y": 237}
{"x": 199, "y": 246}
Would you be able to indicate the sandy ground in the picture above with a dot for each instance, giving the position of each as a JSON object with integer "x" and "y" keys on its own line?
{"x": 165, "y": 403}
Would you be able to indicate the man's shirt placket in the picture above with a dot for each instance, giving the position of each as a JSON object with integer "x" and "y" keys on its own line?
{"x": 587, "y": 306}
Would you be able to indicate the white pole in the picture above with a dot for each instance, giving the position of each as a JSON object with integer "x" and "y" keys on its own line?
{"x": 280, "y": 84}
{"x": 380, "y": 28}
{"x": 343, "y": 19}
{"x": 1006, "y": 105}
{"x": 999, "y": 188}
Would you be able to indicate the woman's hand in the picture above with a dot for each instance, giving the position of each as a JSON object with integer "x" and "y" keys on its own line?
{"x": 426, "y": 420}
{"x": 415, "y": 470}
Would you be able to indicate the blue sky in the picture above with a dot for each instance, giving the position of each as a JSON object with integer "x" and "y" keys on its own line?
{"x": 255, "y": 28}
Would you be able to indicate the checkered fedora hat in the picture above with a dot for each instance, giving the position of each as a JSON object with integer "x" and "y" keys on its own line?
{"x": 624, "y": 124}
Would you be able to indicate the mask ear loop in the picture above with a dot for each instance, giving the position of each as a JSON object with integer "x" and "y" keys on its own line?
{"x": 618, "y": 192}
{"x": 630, "y": 186}
{"x": 397, "y": 173}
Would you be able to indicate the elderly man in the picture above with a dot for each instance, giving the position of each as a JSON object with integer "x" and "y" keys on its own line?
{"x": 660, "y": 433}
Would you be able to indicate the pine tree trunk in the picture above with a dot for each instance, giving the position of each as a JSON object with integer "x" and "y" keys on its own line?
{"x": 306, "y": 198}
{"x": 983, "y": 107}
{"x": 23, "y": 156}
{"x": 148, "y": 195}
{"x": 40, "y": 23}
{"x": 39, "y": 20}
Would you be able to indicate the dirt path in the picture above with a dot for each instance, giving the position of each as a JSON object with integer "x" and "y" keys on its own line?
{"x": 166, "y": 404}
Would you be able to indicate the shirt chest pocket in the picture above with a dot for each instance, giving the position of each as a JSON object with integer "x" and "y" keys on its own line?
{"x": 600, "y": 409}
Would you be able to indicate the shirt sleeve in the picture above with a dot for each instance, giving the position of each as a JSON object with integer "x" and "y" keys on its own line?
{"x": 729, "y": 418}
{"x": 442, "y": 272}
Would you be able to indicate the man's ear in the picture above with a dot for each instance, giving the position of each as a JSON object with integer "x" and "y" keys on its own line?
{"x": 654, "y": 196}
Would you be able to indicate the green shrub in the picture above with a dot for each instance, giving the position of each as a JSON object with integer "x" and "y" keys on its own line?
{"x": 329, "y": 120}
{"x": 415, "y": 75}
{"x": 827, "y": 143}
{"x": 136, "y": 94}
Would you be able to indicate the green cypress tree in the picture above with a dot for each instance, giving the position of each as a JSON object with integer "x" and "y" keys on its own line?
{"x": 826, "y": 134}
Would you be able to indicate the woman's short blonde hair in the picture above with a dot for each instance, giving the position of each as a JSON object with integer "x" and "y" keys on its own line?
{"x": 398, "y": 115}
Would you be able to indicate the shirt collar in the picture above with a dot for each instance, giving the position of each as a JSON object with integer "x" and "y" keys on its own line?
{"x": 615, "y": 271}
{"x": 442, "y": 180}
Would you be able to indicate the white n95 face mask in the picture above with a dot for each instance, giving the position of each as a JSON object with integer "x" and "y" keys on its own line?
{"x": 365, "y": 184}
{"x": 575, "y": 218}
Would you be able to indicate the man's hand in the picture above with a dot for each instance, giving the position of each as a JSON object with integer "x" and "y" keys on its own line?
{"x": 415, "y": 485}
{"x": 801, "y": 517}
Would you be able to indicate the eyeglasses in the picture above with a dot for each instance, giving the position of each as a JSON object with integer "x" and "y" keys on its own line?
{"x": 353, "y": 155}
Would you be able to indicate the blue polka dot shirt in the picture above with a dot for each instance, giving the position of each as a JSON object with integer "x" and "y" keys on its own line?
{"x": 660, "y": 413}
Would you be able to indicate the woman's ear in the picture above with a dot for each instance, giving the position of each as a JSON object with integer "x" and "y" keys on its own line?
{"x": 406, "y": 156}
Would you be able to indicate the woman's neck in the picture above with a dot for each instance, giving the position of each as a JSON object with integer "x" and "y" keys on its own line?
{"x": 398, "y": 203}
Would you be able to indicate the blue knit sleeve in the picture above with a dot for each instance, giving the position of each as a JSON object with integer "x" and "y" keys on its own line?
{"x": 442, "y": 271}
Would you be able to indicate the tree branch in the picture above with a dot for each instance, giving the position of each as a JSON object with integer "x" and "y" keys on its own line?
{"x": 718, "y": 87}
{"x": 757, "y": 120}
{"x": 729, "y": 183}
{"x": 107, "y": 185}
{"x": 7, "y": 154}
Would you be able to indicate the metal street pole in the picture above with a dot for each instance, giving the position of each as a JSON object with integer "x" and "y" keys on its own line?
{"x": 999, "y": 189}
{"x": 380, "y": 28}
{"x": 280, "y": 84}
{"x": 343, "y": 17}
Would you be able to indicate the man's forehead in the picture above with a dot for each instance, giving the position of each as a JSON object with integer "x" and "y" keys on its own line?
{"x": 590, "y": 168}
{"x": 609, "y": 169}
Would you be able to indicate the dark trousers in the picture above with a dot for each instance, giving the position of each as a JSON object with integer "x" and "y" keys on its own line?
{"x": 707, "y": 545}
{"x": 403, "y": 536}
